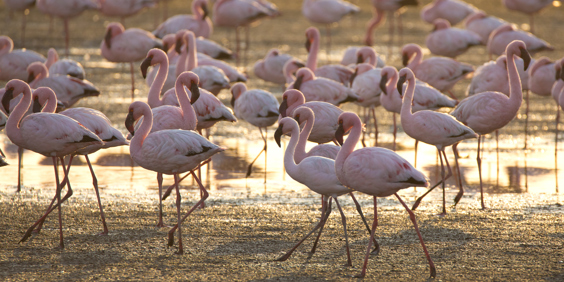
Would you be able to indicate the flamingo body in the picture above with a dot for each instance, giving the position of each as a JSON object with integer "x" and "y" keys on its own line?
{"x": 327, "y": 11}
{"x": 57, "y": 66}
{"x": 121, "y": 45}
{"x": 14, "y": 63}
{"x": 197, "y": 22}
{"x": 482, "y": 24}
{"x": 257, "y": 107}
{"x": 124, "y": 8}
{"x": 542, "y": 75}
{"x": 321, "y": 89}
{"x": 505, "y": 34}
{"x": 271, "y": 67}
{"x": 449, "y": 41}
{"x": 453, "y": 11}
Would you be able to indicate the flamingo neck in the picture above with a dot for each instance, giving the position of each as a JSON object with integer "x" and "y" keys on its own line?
{"x": 141, "y": 133}
{"x": 13, "y": 125}
{"x": 391, "y": 88}
{"x": 406, "y": 113}
{"x": 348, "y": 146}
{"x": 154, "y": 99}
{"x": 300, "y": 153}
{"x": 416, "y": 60}
{"x": 196, "y": 10}
{"x": 289, "y": 163}
{"x": 184, "y": 102}
{"x": 50, "y": 105}
{"x": 313, "y": 51}
{"x": 181, "y": 64}
{"x": 192, "y": 49}
{"x": 372, "y": 24}
{"x": 7, "y": 48}
{"x": 300, "y": 100}
{"x": 52, "y": 57}
{"x": 288, "y": 75}
{"x": 515, "y": 91}
{"x": 38, "y": 77}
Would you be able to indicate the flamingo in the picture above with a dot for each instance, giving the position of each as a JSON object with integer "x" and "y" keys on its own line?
{"x": 450, "y": 41}
{"x": 290, "y": 68}
{"x": 127, "y": 46}
{"x": 529, "y": 7}
{"x": 52, "y": 135}
{"x": 69, "y": 89}
{"x": 20, "y": 6}
{"x": 64, "y": 66}
{"x": 425, "y": 97}
{"x": 212, "y": 49}
{"x": 14, "y": 63}
{"x": 393, "y": 8}
{"x": 440, "y": 72}
{"x": 322, "y": 89}
{"x": 556, "y": 92}
{"x": 327, "y": 12}
{"x": 505, "y": 34}
{"x": 488, "y": 111}
{"x": 336, "y": 72}
{"x": 3, "y": 120}
{"x": 375, "y": 171}
{"x": 323, "y": 130}
{"x": 355, "y": 55}
{"x": 170, "y": 151}
{"x": 434, "y": 128}
{"x": 453, "y": 11}
{"x": 271, "y": 67}
{"x": 66, "y": 9}
{"x": 482, "y": 24}
{"x": 198, "y": 22}
{"x": 542, "y": 75}
{"x": 257, "y": 107}
{"x": 123, "y": 8}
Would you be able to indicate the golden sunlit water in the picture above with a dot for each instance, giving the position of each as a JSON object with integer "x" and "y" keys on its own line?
{"x": 532, "y": 170}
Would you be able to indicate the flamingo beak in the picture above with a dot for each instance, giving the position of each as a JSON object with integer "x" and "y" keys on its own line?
{"x": 61, "y": 106}
{"x": 525, "y": 56}
{"x": 165, "y": 47}
{"x": 232, "y": 100}
{"x": 145, "y": 65}
{"x": 36, "y": 105}
{"x": 129, "y": 121}
{"x": 195, "y": 92}
{"x": 383, "y": 83}
{"x": 278, "y": 134}
{"x": 339, "y": 134}
{"x": 30, "y": 77}
{"x": 353, "y": 76}
{"x": 298, "y": 82}
{"x": 299, "y": 65}
{"x": 297, "y": 119}
{"x": 283, "y": 107}
{"x": 178, "y": 45}
{"x": 108, "y": 38}
{"x": 8, "y": 96}
{"x": 307, "y": 44}
{"x": 401, "y": 81}
{"x": 205, "y": 9}
{"x": 405, "y": 59}
{"x": 359, "y": 59}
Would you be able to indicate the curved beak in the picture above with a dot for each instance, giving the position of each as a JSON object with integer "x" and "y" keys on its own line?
{"x": 232, "y": 100}
{"x": 298, "y": 82}
{"x": 359, "y": 59}
{"x": 145, "y": 65}
{"x": 129, "y": 121}
{"x": 299, "y": 65}
{"x": 339, "y": 134}
{"x": 278, "y": 134}
{"x": 404, "y": 59}
{"x": 8, "y": 96}
{"x": 307, "y": 44}
{"x": 36, "y": 105}
{"x": 525, "y": 56}
{"x": 205, "y": 9}
{"x": 283, "y": 107}
{"x": 353, "y": 76}
{"x": 30, "y": 77}
{"x": 108, "y": 38}
{"x": 401, "y": 81}
{"x": 383, "y": 83}
{"x": 178, "y": 45}
{"x": 195, "y": 92}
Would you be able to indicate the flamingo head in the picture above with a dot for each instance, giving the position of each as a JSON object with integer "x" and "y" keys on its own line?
{"x": 179, "y": 41}
{"x": 236, "y": 90}
{"x": 145, "y": 65}
{"x": 136, "y": 110}
{"x": 285, "y": 127}
{"x": 302, "y": 114}
{"x": 384, "y": 83}
{"x": 205, "y": 11}
{"x": 8, "y": 96}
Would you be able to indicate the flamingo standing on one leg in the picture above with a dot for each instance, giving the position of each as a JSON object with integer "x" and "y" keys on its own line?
{"x": 257, "y": 107}
{"x": 434, "y": 128}
{"x": 52, "y": 135}
{"x": 127, "y": 46}
{"x": 365, "y": 77}
{"x": 488, "y": 111}
{"x": 170, "y": 151}
{"x": 66, "y": 9}
{"x": 68, "y": 67}
{"x": 375, "y": 171}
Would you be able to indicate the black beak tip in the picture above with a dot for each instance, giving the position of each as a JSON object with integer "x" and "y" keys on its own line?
{"x": 278, "y": 135}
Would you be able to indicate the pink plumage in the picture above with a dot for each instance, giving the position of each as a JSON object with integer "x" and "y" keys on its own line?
{"x": 327, "y": 11}
{"x": 505, "y": 34}
{"x": 198, "y": 22}
{"x": 14, "y": 63}
{"x": 482, "y": 24}
{"x": 271, "y": 67}
{"x": 449, "y": 41}
{"x": 321, "y": 89}
{"x": 336, "y": 72}
{"x": 542, "y": 76}
{"x": 453, "y": 11}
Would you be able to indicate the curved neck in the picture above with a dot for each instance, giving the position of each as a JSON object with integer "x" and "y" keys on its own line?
{"x": 391, "y": 88}
{"x": 196, "y": 10}
{"x": 377, "y": 17}
{"x": 39, "y": 76}
{"x": 50, "y": 104}
{"x": 154, "y": 97}
{"x": 289, "y": 163}
{"x": 141, "y": 133}
{"x": 288, "y": 75}
{"x": 13, "y": 125}
{"x": 184, "y": 101}
{"x": 182, "y": 62}
{"x": 192, "y": 57}
{"x": 300, "y": 153}
{"x": 348, "y": 145}
{"x": 312, "y": 56}
{"x": 52, "y": 57}
{"x": 295, "y": 104}
{"x": 407, "y": 100}
{"x": 7, "y": 48}
{"x": 416, "y": 60}
{"x": 515, "y": 91}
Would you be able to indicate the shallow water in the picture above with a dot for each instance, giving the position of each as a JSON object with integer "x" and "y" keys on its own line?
{"x": 520, "y": 171}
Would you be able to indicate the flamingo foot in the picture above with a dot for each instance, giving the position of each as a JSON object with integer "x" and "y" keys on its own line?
{"x": 457, "y": 198}
{"x": 104, "y": 233}
{"x": 441, "y": 214}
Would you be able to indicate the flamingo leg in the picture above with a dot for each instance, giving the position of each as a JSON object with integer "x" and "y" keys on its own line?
{"x": 265, "y": 152}
{"x": 2, "y": 153}
{"x": 526, "y": 118}
{"x": 59, "y": 187}
{"x": 206, "y": 195}
{"x": 479, "y": 161}
{"x": 415, "y": 162}
{"x": 319, "y": 225}
{"x": 441, "y": 155}
{"x": 395, "y": 131}
{"x": 344, "y": 221}
{"x": 160, "y": 183}
{"x": 374, "y": 225}
{"x": 328, "y": 52}
{"x": 497, "y": 157}
{"x": 20, "y": 166}
{"x": 391, "y": 33}
{"x": 444, "y": 178}
{"x": 375, "y": 127}
{"x": 412, "y": 217}
{"x": 366, "y": 118}
{"x": 249, "y": 168}
{"x": 460, "y": 188}
{"x": 556, "y": 147}
{"x": 327, "y": 211}
{"x": 169, "y": 189}
{"x": 179, "y": 220}
{"x": 359, "y": 210}
{"x": 132, "y": 81}
{"x": 95, "y": 184}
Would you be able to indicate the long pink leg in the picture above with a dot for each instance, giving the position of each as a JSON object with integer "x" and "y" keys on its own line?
{"x": 526, "y": 118}
{"x": 375, "y": 127}
{"x": 556, "y": 147}
{"x": 20, "y": 166}
{"x": 497, "y": 157}
{"x": 374, "y": 225}
{"x": 460, "y": 188}
{"x": 344, "y": 221}
{"x": 319, "y": 225}
{"x": 395, "y": 131}
{"x": 443, "y": 177}
{"x": 359, "y": 210}
{"x": 59, "y": 187}
{"x": 442, "y": 181}
{"x": 479, "y": 161}
{"x": 326, "y": 210}
{"x": 95, "y": 183}
{"x": 179, "y": 219}
{"x": 206, "y": 195}
{"x": 160, "y": 183}
{"x": 169, "y": 189}
{"x": 250, "y": 167}
{"x": 412, "y": 217}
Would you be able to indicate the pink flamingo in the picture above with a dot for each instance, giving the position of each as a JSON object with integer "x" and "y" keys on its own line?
{"x": 440, "y": 72}
{"x": 3, "y": 120}
{"x": 355, "y": 55}
{"x": 69, "y": 89}
{"x": 375, "y": 171}
{"x": 271, "y": 67}
{"x": 66, "y": 9}
{"x": 393, "y": 8}
{"x": 542, "y": 76}
{"x": 488, "y": 111}
{"x": 434, "y": 128}
{"x": 482, "y": 24}
{"x": 323, "y": 129}
{"x": 336, "y": 72}
{"x": 327, "y": 12}
{"x": 425, "y": 98}
{"x": 505, "y": 34}
{"x": 170, "y": 151}
{"x": 492, "y": 76}
{"x": 364, "y": 80}
{"x": 257, "y": 107}
{"x": 198, "y": 22}
{"x": 290, "y": 68}
{"x": 212, "y": 49}
{"x": 14, "y": 63}
{"x": 322, "y": 89}
{"x": 123, "y": 8}
{"x": 20, "y": 6}
{"x": 127, "y": 46}
{"x": 453, "y": 11}
{"x": 64, "y": 66}
{"x": 450, "y": 41}
{"x": 529, "y": 7}
{"x": 52, "y": 135}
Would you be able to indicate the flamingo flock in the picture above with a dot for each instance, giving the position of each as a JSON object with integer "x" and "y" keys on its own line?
{"x": 189, "y": 76}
